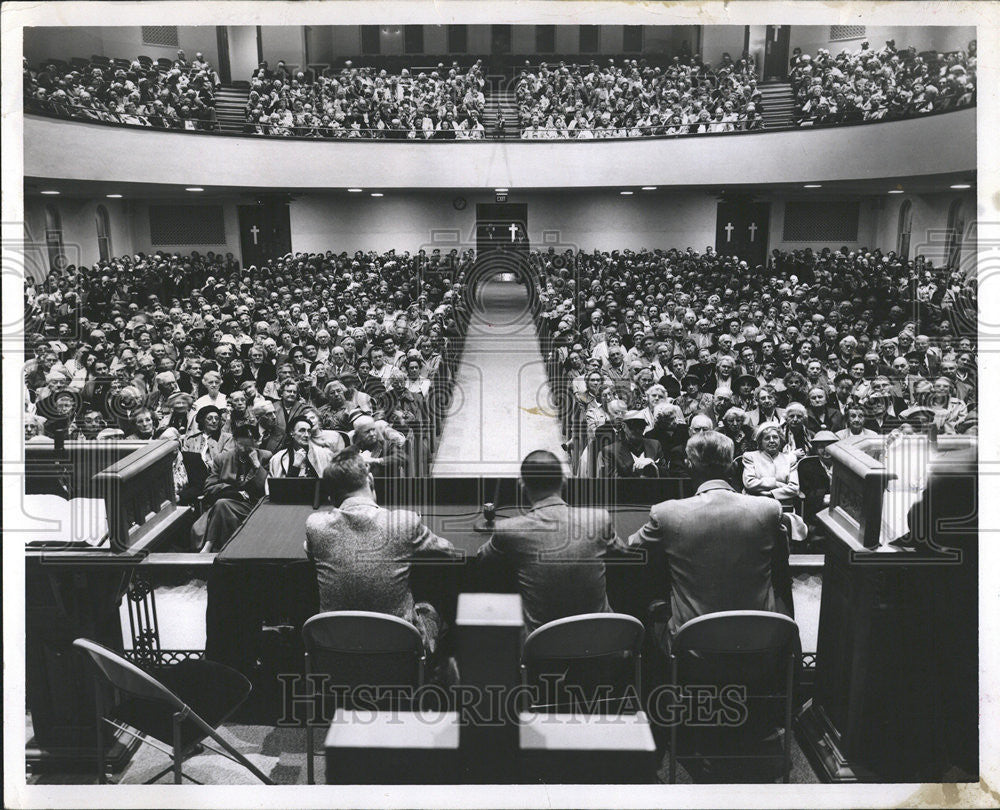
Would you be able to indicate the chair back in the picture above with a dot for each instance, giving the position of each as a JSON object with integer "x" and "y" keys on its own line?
{"x": 361, "y": 648}
{"x": 737, "y": 631}
{"x": 750, "y": 647}
{"x": 125, "y": 676}
{"x": 590, "y": 653}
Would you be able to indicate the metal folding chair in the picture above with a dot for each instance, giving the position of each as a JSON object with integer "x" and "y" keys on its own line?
{"x": 200, "y": 697}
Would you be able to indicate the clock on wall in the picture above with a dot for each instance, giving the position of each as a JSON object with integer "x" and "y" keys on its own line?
{"x": 459, "y": 203}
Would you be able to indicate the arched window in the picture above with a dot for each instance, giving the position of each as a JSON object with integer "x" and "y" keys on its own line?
{"x": 53, "y": 237}
{"x": 103, "y": 233}
{"x": 956, "y": 232}
{"x": 905, "y": 226}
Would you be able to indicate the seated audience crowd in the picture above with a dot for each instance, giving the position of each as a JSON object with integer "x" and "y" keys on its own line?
{"x": 646, "y": 349}
{"x": 169, "y": 94}
{"x": 869, "y": 85}
{"x": 270, "y": 370}
{"x": 627, "y": 98}
{"x": 363, "y": 102}
{"x": 630, "y": 99}
{"x": 275, "y": 369}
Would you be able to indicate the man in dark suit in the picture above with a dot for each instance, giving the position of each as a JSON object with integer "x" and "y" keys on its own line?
{"x": 234, "y": 485}
{"x": 555, "y": 552}
{"x": 363, "y": 553}
{"x": 720, "y": 550}
{"x": 632, "y": 455}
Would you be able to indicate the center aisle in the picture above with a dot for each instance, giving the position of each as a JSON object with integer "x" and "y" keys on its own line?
{"x": 501, "y": 408}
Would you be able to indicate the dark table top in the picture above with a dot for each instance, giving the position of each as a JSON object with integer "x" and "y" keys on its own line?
{"x": 274, "y": 534}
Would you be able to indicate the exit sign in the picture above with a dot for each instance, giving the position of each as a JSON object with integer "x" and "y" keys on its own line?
{"x": 501, "y": 196}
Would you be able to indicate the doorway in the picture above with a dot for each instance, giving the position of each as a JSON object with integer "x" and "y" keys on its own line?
{"x": 265, "y": 230}
{"x": 239, "y": 53}
{"x": 776, "y": 52}
{"x": 500, "y": 39}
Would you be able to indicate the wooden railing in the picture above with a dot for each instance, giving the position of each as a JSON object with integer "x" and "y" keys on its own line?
{"x": 139, "y": 493}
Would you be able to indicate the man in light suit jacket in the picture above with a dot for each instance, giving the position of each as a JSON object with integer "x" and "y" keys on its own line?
{"x": 722, "y": 550}
{"x": 363, "y": 553}
{"x": 555, "y": 552}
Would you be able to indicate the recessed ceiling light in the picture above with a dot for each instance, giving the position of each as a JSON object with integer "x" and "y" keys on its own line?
{"x": 113, "y": 196}
{"x": 649, "y": 188}
{"x": 895, "y": 191}
{"x": 813, "y": 185}
{"x": 377, "y": 194}
{"x": 354, "y": 190}
{"x": 501, "y": 190}
{"x": 626, "y": 193}
{"x": 194, "y": 188}
{"x": 50, "y": 192}
{"x": 961, "y": 185}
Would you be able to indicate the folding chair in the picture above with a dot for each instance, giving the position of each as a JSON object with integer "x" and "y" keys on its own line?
{"x": 598, "y": 655}
{"x": 358, "y": 648}
{"x": 196, "y": 699}
{"x": 754, "y": 649}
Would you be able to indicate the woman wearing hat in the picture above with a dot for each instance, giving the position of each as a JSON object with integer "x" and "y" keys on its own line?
{"x": 746, "y": 385}
{"x": 209, "y": 439}
{"x": 178, "y": 413}
{"x": 769, "y": 471}
{"x": 693, "y": 401}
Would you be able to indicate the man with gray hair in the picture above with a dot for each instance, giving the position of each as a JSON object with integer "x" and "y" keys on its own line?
{"x": 721, "y": 550}
{"x": 270, "y": 437}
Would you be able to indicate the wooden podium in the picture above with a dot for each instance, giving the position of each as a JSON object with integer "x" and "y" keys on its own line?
{"x": 74, "y": 588}
{"x": 880, "y": 679}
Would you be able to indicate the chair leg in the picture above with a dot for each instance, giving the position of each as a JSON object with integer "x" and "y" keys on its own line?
{"x": 310, "y": 766}
{"x": 246, "y": 763}
{"x": 673, "y": 725}
{"x": 789, "y": 686}
{"x": 102, "y": 773}
{"x": 178, "y": 759}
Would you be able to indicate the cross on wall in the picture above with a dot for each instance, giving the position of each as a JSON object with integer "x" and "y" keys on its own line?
{"x": 753, "y": 230}
{"x": 729, "y": 231}
{"x": 513, "y": 232}
{"x": 255, "y": 231}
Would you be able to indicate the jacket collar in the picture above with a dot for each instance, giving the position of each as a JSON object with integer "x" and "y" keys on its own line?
{"x": 358, "y": 501}
{"x": 713, "y": 484}
{"x": 551, "y": 500}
